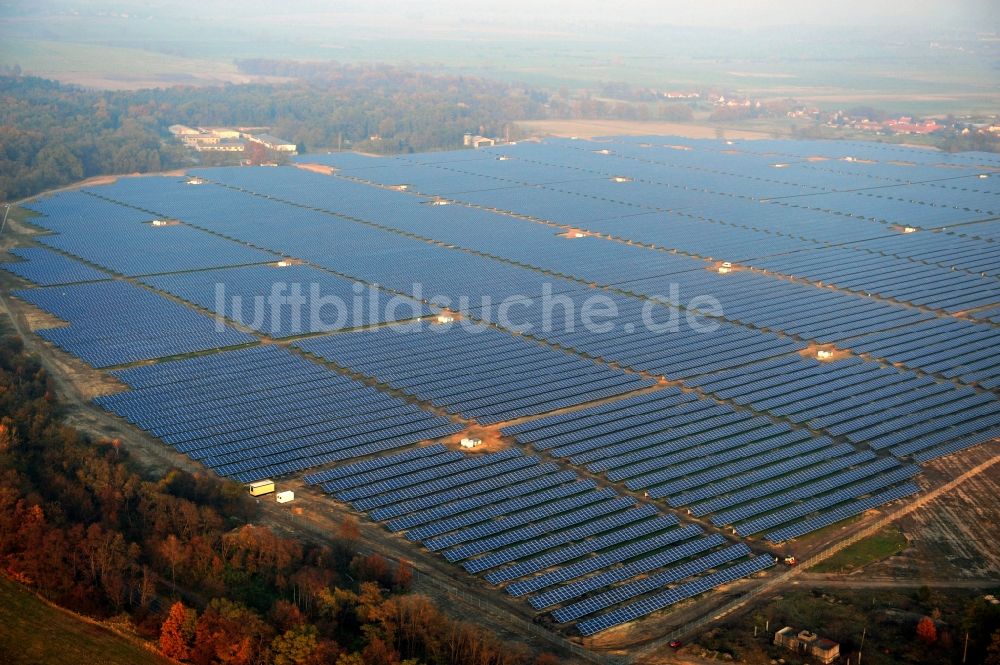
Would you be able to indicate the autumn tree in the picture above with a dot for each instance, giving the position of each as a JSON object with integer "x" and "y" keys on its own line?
{"x": 177, "y": 632}
{"x": 927, "y": 631}
{"x": 403, "y": 576}
{"x": 372, "y": 568}
{"x": 229, "y": 633}
{"x": 298, "y": 646}
{"x": 348, "y": 529}
{"x": 993, "y": 650}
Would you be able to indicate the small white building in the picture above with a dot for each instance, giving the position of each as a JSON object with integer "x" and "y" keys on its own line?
{"x": 272, "y": 142}
{"x": 471, "y": 443}
{"x": 285, "y": 497}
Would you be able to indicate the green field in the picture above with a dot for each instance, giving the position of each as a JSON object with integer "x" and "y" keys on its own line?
{"x": 32, "y": 632}
{"x": 882, "y": 545}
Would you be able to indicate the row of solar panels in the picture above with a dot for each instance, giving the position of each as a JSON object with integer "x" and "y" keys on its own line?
{"x": 476, "y": 371}
{"x": 581, "y": 552}
{"x": 953, "y": 348}
{"x": 47, "y": 268}
{"x": 715, "y": 460}
{"x": 836, "y": 315}
{"x": 130, "y": 242}
{"x": 881, "y": 407}
{"x": 964, "y": 192}
{"x": 260, "y": 412}
{"x": 466, "y": 229}
{"x": 888, "y": 277}
{"x": 285, "y": 301}
{"x": 115, "y": 323}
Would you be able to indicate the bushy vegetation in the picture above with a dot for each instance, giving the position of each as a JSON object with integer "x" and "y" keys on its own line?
{"x": 181, "y": 557}
{"x": 900, "y": 626}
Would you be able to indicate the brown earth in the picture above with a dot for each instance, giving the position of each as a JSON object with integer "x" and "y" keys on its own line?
{"x": 316, "y": 168}
{"x": 953, "y": 537}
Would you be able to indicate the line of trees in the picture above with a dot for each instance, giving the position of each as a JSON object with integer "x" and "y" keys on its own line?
{"x": 181, "y": 557}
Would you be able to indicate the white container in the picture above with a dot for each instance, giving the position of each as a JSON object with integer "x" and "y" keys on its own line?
{"x": 285, "y": 497}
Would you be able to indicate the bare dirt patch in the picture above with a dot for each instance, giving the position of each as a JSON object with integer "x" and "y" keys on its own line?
{"x": 40, "y": 320}
{"x": 577, "y": 233}
{"x": 87, "y": 382}
{"x": 825, "y": 353}
{"x": 492, "y": 441}
{"x": 316, "y": 168}
{"x": 724, "y": 267}
{"x": 952, "y": 537}
{"x": 284, "y": 263}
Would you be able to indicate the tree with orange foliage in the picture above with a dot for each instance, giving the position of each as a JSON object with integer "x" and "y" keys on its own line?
{"x": 927, "y": 631}
{"x": 229, "y": 632}
{"x": 402, "y": 578}
{"x": 177, "y": 631}
{"x": 348, "y": 529}
{"x": 372, "y": 568}
{"x": 547, "y": 659}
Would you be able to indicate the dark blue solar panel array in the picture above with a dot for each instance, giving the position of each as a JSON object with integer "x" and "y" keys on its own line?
{"x": 940, "y": 249}
{"x": 260, "y": 412}
{"x": 991, "y": 314}
{"x": 870, "y": 404}
{"x": 47, "y": 268}
{"x": 498, "y": 235}
{"x": 553, "y": 541}
{"x": 126, "y": 241}
{"x": 479, "y": 372}
{"x": 661, "y": 178}
{"x": 888, "y": 277}
{"x": 803, "y": 310}
{"x": 639, "y": 218}
{"x": 540, "y": 248}
{"x": 708, "y": 456}
{"x": 115, "y": 323}
{"x": 949, "y": 347}
{"x": 664, "y": 599}
{"x": 309, "y": 300}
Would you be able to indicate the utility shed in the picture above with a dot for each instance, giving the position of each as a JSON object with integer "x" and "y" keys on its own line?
{"x": 261, "y": 487}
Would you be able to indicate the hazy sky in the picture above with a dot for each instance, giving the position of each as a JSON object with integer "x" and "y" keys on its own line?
{"x": 731, "y": 13}
{"x": 983, "y": 15}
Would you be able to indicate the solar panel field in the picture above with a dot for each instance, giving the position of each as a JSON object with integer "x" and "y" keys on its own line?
{"x": 682, "y": 357}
